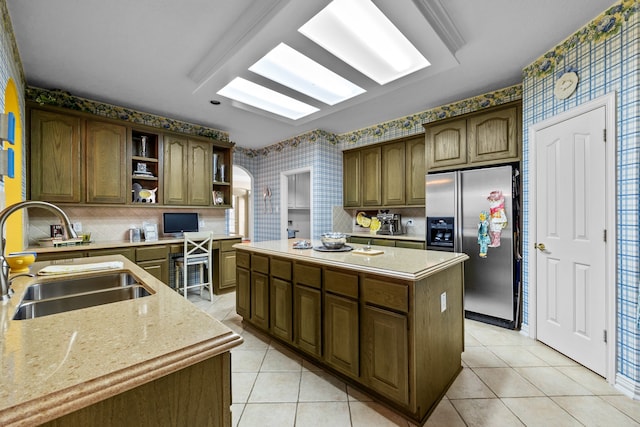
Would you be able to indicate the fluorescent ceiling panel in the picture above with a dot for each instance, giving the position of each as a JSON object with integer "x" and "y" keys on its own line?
{"x": 291, "y": 68}
{"x": 358, "y": 33}
{"x": 253, "y": 94}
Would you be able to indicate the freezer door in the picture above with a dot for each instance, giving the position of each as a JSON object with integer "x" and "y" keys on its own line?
{"x": 488, "y": 281}
{"x": 441, "y": 200}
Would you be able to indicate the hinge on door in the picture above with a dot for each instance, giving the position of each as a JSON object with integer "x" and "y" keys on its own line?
{"x": 604, "y": 235}
{"x": 604, "y": 335}
{"x": 604, "y": 135}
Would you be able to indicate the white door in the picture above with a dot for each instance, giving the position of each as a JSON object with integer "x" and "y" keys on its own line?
{"x": 570, "y": 238}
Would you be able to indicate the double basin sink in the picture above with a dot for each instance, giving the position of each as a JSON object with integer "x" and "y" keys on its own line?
{"x": 61, "y": 295}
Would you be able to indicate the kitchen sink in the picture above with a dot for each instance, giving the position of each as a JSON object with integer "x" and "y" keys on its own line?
{"x": 46, "y": 307}
{"x": 65, "y": 287}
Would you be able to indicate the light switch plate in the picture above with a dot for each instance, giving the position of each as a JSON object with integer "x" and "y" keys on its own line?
{"x": 77, "y": 226}
{"x": 443, "y": 301}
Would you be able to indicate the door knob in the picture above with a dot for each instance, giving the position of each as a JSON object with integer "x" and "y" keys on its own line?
{"x": 540, "y": 246}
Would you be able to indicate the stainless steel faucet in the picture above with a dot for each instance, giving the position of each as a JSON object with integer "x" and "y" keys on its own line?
{"x": 4, "y": 267}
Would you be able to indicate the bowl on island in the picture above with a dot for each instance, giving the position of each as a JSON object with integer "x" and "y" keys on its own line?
{"x": 333, "y": 240}
{"x": 19, "y": 262}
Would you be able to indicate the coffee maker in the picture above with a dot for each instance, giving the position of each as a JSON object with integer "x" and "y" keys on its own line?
{"x": 390, "y": 223}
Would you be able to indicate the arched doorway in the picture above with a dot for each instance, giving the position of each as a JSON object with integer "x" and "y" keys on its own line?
{"x": 240, "y": 217}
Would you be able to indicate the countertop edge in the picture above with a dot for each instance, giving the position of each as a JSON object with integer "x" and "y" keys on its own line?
{"x": 62, "y": 402}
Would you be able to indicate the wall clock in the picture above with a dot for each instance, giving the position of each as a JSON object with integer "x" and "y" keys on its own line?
{"x": 566, "y": 85}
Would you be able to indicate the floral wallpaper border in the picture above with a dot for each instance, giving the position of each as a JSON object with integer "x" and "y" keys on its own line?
{"x": 601, "y": 28}
{"x": 381, "y": 130}
{"x": 63, "y": 99}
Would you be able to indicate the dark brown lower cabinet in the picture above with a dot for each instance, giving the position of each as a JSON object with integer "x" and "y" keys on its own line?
{"x": 243, "y": 292}
{"x": 342, "y": 334}
{"x": 385, "y": 354}
{"x": 307, "y": 314}
{"x": 260, "y": 300}
{"x": 281, "y": 309}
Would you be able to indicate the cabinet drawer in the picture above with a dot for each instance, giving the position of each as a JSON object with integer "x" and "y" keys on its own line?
{"x": 360, "y": 240}
{"x": 243, "y": 259}
{"x": 308, "y": 275}
{"x": 385, "y": 294}
{"x": 260, "y": 263}
{"x": 151, "y": 252}
{"x": 341, "y": 283}
{"x": 227, "y": 245}
{"x": 281, "y": 268}
{"x": 383, "y": 242}
{"x": 408, "y": 244}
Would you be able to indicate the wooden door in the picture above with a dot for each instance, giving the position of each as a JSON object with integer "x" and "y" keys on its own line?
{"x": 393, "y": 174}
{"x": 227, "y": 269}
{"x": 260, "y": 300}
{"x": 493, "y": 136}
{"x": 106, "y": 163}
{"x": 415, "y": 171}
{"x": 56, "y": 172}
{"x": 371, "y": 176}
{"x": 281, "y": 309}
{"x": 199, "y": 178}
{"x": 243, "y": 293}
{"x": 175, "y": 170}
{"x": 307, "y": 316}
{"x": 446, "y": 144}
{"x": 385, "y": 353}
{"x": 571, "y": 288}
{"x": 341, "y": 334}
{"x": 352, "y": 178}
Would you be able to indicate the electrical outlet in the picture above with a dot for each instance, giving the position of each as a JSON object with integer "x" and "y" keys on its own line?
{"x": 201, "y": 223}
{"x": 77, "y": 226}
{"x": 443, "y": 301}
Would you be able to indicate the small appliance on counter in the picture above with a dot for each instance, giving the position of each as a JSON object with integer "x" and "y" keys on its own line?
{"x": 390, "y": 223}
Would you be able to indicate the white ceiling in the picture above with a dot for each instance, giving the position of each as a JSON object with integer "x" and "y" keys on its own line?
{"x": 171, "y": 57}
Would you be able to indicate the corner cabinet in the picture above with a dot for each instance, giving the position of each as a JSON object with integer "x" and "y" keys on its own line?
{"x": 80, "y": 158}
{"x": 383, "y": 175}
{"x": 477, "y": 139}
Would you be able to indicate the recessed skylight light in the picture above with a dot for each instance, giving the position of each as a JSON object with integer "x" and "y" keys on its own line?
{"x": 291, "y": 68}
{"x": 358, "y": 33}
{"x": 253, "y": 94}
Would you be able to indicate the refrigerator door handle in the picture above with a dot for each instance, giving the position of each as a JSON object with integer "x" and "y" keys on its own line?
{"x": 458, "y": 212}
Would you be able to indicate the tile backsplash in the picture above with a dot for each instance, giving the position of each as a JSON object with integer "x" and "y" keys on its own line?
{"x": 113, "y": 223}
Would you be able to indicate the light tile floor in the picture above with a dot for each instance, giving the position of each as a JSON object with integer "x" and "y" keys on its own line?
{"x": 507, "y": 380}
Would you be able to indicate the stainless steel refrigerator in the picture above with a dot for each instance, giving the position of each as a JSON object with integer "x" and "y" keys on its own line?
{"x": 454, "y": 201}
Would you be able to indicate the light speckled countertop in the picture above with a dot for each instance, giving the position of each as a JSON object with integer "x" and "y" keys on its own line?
{"x": 409, "y": 264}
{"x": 57, "y": 364}
{"x": 121, "y": 244}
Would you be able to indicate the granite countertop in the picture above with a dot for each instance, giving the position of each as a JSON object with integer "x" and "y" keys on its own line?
{"x": 368, "y": 235}
{"x": 402, "y": 263}
{"x": 121, "y": 244}
{"x": 54, "y": 365}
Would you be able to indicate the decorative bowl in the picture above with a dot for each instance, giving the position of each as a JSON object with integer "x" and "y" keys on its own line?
{"x": 20, "y": 261}
{"x": 333, "y": 240}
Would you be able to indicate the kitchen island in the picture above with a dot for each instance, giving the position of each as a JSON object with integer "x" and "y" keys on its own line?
{"x": 390, "y": 324}
{"x": 153, "y": 360}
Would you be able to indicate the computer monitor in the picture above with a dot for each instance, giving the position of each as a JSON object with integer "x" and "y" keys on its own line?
{"x": 176, "y": 223}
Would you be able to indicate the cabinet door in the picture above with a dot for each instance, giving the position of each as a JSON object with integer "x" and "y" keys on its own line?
{"x": 281, "y": 309}
{"x": 446, "y": 144}
{"x": 260, "y": 300}
{"x": 393, "y": 174}
{"x": 351, "y": 176}
{"x": 243, "y": 292}
{"x": 341, "y": 334}
{"x": 385, "y": 353}
{"x": 302, "y": 193}
{"x": 175, "y": 168}
{"x": 158, "y": 269}
{"x": 56, "y": 174}
{"x": 415, "y": 172}
{"x": 371, "y": 176}
{"x": 307, "y": 317}
{"x": 227, "y": 267}
{"x": 198, "y": 173}
{"x": 493, "y": 136}
{"x": 106, "y": 163}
